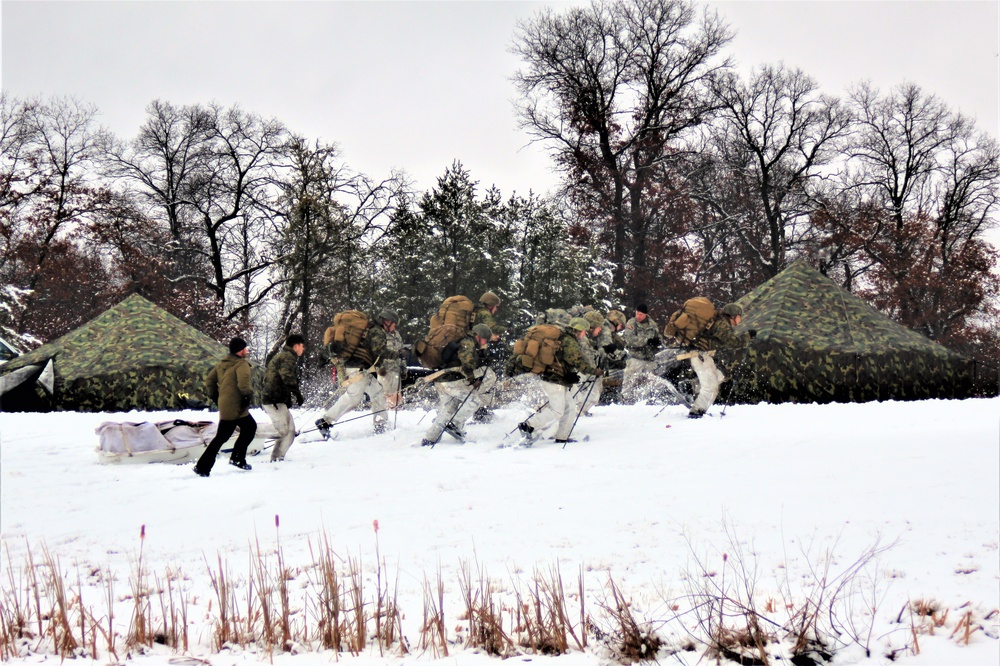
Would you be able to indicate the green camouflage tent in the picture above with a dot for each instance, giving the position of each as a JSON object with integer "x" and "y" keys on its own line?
{"x": 133, "y": 356}
{"x": 819, "y": 343}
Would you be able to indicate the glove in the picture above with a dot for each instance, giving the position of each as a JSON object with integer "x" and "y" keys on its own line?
{"x": 752, "y": 333}
{"x": 610, "y": 348}
{"x": 476, "y": 384}
{"x": 654, "y": 342}
{"x": 382, "y": 372}
{"x": 298, "y": 396}
{"x": 600, "y": 371}
{"x": 245, "y": 401}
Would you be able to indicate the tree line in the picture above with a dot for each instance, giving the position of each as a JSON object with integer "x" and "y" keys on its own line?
{"x": 679, "y": 176}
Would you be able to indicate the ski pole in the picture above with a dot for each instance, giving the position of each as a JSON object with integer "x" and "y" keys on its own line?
{"x": 578, "y": 414}
{"x": 451, "y": 421}
{"x": 537, "y": 409}
{"x": 355, "y": 418}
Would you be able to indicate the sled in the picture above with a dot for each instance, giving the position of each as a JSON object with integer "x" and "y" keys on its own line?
{"x": 173, "y": 442}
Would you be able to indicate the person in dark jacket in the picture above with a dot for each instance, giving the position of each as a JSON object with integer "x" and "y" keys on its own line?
{"x": 228, "y": 384}
{"x": 281, "y": 384}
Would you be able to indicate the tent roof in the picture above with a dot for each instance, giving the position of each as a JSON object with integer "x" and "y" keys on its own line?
{"x": 134, "y": 334}
{"x": 805, "y": 309}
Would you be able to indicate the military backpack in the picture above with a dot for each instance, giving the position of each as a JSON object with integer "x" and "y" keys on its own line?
{"x": 538, "y": 351}
{"x": 687, "y": 324}
{"x": 344, "y": 338}
{"x": 448, "y": 325}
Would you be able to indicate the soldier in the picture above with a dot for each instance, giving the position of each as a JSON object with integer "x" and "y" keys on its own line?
{"x": 462, "y": 389}
{"x": 719, "y": 335}
{"x": 369, "y": 355}
{"x": 642, "y": 340}
{"x": 281, "y": 384}
{"x": 390, "y": 374}
{"x": 557, "y": 382}
{"x": 606, "y": 350}
{"x": 228, "y": 384}
{"x": 485, "y": 313}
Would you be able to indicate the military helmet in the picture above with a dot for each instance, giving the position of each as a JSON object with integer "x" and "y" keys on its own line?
{"x": 595, "y": 318}
{"x": 579, "y": 324}
{"x": 616, "y": 317}
{"x": 557, "y": 316}
{"x": 482, "y": 331}
{"x": 732, "y": 310}
{"x": 389, "y": 315}
{"x": 489, "y": 299}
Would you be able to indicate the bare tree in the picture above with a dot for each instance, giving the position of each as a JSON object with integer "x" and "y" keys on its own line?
{"x": 611, "y": 88}
{"x": 774, "y": 136}
{"x": 162, "y": 161}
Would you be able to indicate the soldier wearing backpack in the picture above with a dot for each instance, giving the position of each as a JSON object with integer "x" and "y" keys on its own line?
{"x": 360, "y": 344}
{"x": 554, "y": 354}
{"x": 485, "y": 313}
{"x": 463, "y": 387}
{"x": 697, "y": 326}
{"x": 390, "y": 374}
{"x": 642, "y": 341}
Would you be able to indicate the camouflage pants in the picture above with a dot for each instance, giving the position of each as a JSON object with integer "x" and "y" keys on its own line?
{"x": 284, "y": 427}
{"x": 709, "y": 380}
{"x": 561, "y": 407}
{"x": 457, "y": 402}
{"x": 390, "y": 387}
{"x": 355, "y": 394}
{"x": 637, "y": 373}
{"x": 588, "y": 392}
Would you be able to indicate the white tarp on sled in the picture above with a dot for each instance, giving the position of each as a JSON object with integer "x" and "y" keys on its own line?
{"x": 174, "y": 442}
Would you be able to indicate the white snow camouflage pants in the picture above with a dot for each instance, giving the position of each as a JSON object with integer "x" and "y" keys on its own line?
{"x": 458, "y": 401}
{"x": 561, "y": 407}
{"x": 284, "y": 427}
{"x": 709, "y": 380}
{"x": 355, "y": 393}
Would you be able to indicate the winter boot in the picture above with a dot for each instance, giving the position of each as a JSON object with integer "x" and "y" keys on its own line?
{"x": 454, "y": 431}
{"x": 242, "y": 464}
{"x": 527, "y": 434}
{"x": 323, "y": 427}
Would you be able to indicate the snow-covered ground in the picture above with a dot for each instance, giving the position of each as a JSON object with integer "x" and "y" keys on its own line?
{"x": 666, "y": 507}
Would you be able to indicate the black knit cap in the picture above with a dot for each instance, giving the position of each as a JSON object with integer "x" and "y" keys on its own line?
{"x": 237, "y": 345}
{"x": 643, "y": 308}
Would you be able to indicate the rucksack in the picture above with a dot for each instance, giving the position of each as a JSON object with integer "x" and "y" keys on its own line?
{"x": 688, "y": 323}
{"x": 439, "y": 347}
{"x": 448, "y": 325}
{"x": 454, "y": 311}
{"x": 538, "y": 351}
{"x": 345, "y": 336}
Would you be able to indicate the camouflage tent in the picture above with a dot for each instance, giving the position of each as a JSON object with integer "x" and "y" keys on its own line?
{"x": 819, "y": 343}
{"x": 133, "y": 356}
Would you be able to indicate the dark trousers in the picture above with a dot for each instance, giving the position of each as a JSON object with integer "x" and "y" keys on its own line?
{"x": 247, "y": 427}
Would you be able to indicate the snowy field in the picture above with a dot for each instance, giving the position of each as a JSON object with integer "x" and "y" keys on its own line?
{"x": 766, "y": 498}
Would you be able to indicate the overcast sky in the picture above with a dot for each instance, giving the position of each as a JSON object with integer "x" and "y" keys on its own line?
{"x": 416, "y": 85}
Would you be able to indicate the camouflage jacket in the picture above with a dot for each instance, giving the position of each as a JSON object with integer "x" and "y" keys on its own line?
{"x": 607, "y": 337}
{"x": 281, "y": 380}
{"x": 374, "y": 344}
{"x": 720, "y": 335}
{"x": 466, "y": 359}
{"x": 482, "y": 315}
{"x": 637, "y": 337}
{"x": 574, "y": 362}
{"x": 393, "y": 352}
{"x": 228, "y": 384}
